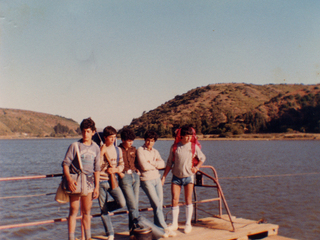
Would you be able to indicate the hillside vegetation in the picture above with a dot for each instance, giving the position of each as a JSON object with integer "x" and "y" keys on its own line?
{"x": 236, "y": 108}
{"x": 22, "y": 123}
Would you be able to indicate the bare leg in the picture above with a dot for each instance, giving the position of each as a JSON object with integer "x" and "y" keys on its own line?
{"x": 188, "y": 190}
{"x": 82, "y": 227}
{"x": 175, "y": 191}
{"x": 73, "y": 211}
{"x": 86, "y": 203}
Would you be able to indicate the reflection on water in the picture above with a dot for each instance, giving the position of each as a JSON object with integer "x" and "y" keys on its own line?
{"x": 285, "y": 195}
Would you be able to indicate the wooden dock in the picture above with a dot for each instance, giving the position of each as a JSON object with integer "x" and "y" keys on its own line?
{"x": 220, "y": 229}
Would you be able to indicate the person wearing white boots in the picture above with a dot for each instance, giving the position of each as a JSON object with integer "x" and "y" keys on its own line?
{"x": 185, "y": 149}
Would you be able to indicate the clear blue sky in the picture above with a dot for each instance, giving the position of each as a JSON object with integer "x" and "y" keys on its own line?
{"x": 112, "y": 60}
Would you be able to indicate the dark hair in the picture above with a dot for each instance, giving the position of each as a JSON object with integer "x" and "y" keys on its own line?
{"x": 186, "y": 130}
{"x": 107, "y": 131}
{"x": 127, "y": 134}
{"x": 87, "y": 123}
{"x": 151, "y": 134}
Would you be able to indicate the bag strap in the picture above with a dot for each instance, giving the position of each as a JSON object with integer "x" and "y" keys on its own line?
{"x": 78, "y": 155}
{"x": 118, "y": 155}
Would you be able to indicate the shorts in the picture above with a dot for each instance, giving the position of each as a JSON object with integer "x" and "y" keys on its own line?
{"x": 90, "y": 183}
{"x": 182, "y": 181}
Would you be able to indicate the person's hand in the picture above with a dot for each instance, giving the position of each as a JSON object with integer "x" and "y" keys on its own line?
{"x": 72, "y": 184}
{"x": 163, "y": 179}
{"x": 112, "y": 170}
{"x": 121, "y": 175}
{"x": 194, "y": 169}
{"x": 95, "y": 193}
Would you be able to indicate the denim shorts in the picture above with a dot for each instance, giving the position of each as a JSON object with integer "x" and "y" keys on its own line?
{"x": 183, "y": 181}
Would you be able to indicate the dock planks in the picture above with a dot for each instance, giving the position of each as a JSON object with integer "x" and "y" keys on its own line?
{"x": 221, "y": 229}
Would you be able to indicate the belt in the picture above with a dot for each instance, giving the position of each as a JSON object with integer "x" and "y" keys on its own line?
{"x": 128, "y": 171}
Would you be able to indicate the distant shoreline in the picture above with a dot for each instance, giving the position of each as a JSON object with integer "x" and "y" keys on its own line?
{"x": 242, "y": 137}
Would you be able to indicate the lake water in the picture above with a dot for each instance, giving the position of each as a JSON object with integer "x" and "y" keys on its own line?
{"x": 278, "y": 181}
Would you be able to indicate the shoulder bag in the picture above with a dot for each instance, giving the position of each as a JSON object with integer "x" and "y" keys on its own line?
{"x": 79, "y": 177}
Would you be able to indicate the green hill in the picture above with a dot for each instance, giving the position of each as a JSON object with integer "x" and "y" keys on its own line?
{"x": 23, "y": 123}
{"x": 236, "y": 108}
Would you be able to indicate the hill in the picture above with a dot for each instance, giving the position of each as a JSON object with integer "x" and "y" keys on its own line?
{"x": 236, "y": 108}
{"x": 23, "y": 123}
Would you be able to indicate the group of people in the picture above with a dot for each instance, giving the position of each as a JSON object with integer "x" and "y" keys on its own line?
{"x": 121, "y": 170}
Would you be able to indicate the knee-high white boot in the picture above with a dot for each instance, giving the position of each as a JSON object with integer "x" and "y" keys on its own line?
{"x": 175, "y": 217}
{"x": 189, "y": 212}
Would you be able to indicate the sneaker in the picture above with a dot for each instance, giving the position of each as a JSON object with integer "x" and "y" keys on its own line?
{"x": 111, "y": 237}
{"x": 187, "y": 229}
{"x": 165, "y": 235}
{"x": 170, "y": 233}
{"x": 173, "y": 227}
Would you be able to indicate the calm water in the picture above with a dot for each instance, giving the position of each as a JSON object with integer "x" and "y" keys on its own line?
{"x": 285, "y": 196}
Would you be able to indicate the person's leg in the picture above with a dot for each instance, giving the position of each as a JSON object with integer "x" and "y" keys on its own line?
{"x": 105, "y": 217}
{"x": 119, "y": 200}
{"x": 188, "y": 189}
{"x": 86, "y": 203}
{"x": 136, "y": 188}
{"x": 154, "y": 193}
{"x": 73, "y": 211}
{"x": 126, "y": 184}
{"x": 175, "y": 191}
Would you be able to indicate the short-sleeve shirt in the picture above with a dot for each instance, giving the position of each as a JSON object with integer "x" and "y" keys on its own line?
{"x": 182, "y": 164}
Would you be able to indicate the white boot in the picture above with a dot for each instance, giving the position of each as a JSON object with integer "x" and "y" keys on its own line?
{"x": 189, "y": 212}
{"x": 175, "y": 217}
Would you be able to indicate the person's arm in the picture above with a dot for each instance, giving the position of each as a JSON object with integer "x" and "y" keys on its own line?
{"x": 197, "y": 167}
{"x": 168, "y": 167}
{"x": 159, "y": 163}
{"x": 70, "y": 155}
{"x": 144, "y": 163}
{"x": 102, "y": 162}
{"x": 201, "y": 158}
{"x": 97, "y": 169}
{"x": 166, "y": 171}
{"x": 120, "y": 166}
{"x": 96, "y": 181}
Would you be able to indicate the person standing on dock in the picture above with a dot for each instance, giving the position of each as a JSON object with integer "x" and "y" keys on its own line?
{"x": 150, "y": 161}
{"x": 130, "y": 177}
{"x": 111, "y": 162}
{"x": 89, "y": 155}
{"x": 185, "y": 148}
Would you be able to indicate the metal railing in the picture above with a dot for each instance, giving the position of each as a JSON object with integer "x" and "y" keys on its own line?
{"x": 199, "y": 183}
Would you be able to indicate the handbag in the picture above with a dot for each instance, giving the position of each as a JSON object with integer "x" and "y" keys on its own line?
{"x": 61, "y": 195}
{"x": 79, "y": 177}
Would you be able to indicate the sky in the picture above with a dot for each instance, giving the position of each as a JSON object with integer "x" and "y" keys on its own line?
{"x": 113, "y": 60}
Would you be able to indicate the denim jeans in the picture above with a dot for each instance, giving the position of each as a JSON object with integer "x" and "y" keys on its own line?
{"x": 106, "y": 207}
{"x": 130, "y": 184}
{"x": 154, "y": 191}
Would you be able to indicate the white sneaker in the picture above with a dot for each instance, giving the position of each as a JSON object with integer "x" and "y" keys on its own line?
{"x": 111, "y": 237}
{"x": 170, "y": 233}
{"x": 187, "y": 228}
{"x": 173, "y": 227}
{"x": 166, "y": 235}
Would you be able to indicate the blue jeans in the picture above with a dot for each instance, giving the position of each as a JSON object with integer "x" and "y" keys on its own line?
{"x": 154, "y": 191}
{"x": 130, "y": 184}
{"x": 106, "y": 207}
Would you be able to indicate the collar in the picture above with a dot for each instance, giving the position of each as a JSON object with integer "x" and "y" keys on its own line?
{"x": 145, "y": 148}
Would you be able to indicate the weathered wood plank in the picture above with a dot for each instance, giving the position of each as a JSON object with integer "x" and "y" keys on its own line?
{"x": 221, "y": 229}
